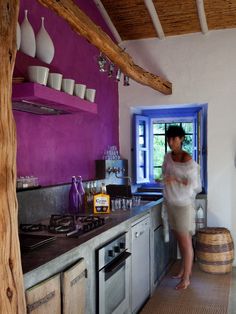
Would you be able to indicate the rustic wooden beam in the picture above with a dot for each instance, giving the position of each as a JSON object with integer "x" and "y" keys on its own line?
{"x": 12, "y": 299}
{"x": 84, "y": 26}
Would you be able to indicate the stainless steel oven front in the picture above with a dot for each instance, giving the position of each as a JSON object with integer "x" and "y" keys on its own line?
{"x": 113, "y": 284}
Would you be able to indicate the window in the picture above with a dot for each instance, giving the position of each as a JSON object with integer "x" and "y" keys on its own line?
{"x": 150, "y": 145}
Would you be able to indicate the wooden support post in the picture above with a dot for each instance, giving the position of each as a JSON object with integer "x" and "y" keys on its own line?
{"x": 12, "y": 298}
{"x": 84, "y": 26}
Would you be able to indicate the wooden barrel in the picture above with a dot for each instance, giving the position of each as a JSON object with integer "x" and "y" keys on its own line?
{"x": 214, "y": 250}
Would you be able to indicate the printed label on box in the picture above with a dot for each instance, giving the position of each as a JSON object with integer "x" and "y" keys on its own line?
{"x": 101, "y": 204}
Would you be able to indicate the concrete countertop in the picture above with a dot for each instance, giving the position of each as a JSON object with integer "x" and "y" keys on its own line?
{"x": 40, "y": 257}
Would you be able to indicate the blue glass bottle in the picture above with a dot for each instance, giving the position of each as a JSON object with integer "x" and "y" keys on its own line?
{"x": 73, "y": 197}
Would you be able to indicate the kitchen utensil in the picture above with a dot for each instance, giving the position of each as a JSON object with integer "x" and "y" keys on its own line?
{"x": 90, "y": 94}
{"x": 79, "y": 90}
{"x": 55, "y": 80}
{"x": 38, "y": 74}
{"x": 68, "y": 86}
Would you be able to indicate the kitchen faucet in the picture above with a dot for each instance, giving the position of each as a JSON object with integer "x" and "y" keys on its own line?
{"x": 117, "y": 170}
{"x": 124, "y": 177}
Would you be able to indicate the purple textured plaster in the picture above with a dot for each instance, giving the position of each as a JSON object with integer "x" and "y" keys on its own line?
{"x": 54, "y": 148}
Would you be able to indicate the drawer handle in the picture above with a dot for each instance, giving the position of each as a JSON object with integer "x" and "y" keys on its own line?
{"x": 35, "y": 305}
{"x": 76, "y": 279}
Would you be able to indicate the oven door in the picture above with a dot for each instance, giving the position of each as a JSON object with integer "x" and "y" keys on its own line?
{"x": 114, "y": 286}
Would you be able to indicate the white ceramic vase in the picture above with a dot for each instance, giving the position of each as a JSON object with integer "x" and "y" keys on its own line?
{"x": 27, "y": 44}
{"x": 18, "y": 36}
{"x": 44, "y": 45}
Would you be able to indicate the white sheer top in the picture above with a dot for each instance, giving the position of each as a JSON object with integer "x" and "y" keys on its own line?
{"x": 177, "y": 193}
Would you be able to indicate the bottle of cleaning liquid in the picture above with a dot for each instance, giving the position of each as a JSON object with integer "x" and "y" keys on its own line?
{"x": 73, "y": 197}
{"x": 200, "y": 218}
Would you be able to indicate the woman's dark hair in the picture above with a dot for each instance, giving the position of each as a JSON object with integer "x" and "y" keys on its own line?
{"x": 174, "y": 131}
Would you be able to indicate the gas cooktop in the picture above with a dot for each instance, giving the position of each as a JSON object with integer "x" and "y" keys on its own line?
{"x": 67, "y": 225}
{"x": 36, "y": 235}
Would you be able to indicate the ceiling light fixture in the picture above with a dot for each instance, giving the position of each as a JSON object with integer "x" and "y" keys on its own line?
{"x": 118, "y": 75}
{"x": 102, "y": 62}
{"x": 126, "y": 80}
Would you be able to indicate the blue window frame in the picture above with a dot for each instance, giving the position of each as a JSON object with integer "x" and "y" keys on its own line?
{"x": 143, "y": 137}
{"x": 141, "y": 143}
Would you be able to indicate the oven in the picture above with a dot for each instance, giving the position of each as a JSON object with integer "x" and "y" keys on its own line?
{"x": 113, "y": 284}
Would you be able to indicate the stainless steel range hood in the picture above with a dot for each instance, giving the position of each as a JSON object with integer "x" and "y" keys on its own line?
{"x": 35, "y": 108}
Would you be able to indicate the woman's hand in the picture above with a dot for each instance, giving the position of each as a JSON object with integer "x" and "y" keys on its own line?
{"x": 169, "y": 179}
{"x": 172, "y": 179}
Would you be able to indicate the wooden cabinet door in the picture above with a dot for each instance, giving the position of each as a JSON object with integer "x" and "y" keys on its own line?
{"x": 45, "y": 297}
{"x": 74, "y": 289}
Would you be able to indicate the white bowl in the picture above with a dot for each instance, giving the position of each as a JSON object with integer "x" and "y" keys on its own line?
{"x": 68, "y": 86}
{"x": 38, "y": 74}
{"x": 55, "y": 80}
{"x": 90, "y": 94}
{"x": 79, "y": 90}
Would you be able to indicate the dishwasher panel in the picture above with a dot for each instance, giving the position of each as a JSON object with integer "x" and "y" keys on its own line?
{"x": 140, "y": 263}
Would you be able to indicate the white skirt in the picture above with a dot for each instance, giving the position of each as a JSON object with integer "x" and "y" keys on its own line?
{"x": 181, "y": 218}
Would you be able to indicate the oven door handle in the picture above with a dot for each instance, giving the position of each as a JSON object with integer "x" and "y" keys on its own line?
{"x": 113, "y": 267}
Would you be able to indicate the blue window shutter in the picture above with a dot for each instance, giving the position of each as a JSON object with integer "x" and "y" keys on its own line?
{"x": 195, "y": 138}
{"x": 141, "y": 127}
{"x": 201, "y": 143}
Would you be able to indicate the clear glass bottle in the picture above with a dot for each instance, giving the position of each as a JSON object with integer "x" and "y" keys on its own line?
{"x": 94, "y": 187}
{"x": 88, "y": 197}
{"x": 81, "y": 203}
{"x": 103, "y": 188}
{"x": 73, "y": 197}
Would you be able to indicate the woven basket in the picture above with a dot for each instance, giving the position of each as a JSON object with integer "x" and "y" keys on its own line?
{"x": 214, "y": 250}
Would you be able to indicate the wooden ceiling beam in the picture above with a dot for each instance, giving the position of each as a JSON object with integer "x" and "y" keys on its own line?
{"x": 202, "y": 16}
{"x": 84, "y": 26}
{"x": 155, "y": 18}
{"x": 107, "y": 19}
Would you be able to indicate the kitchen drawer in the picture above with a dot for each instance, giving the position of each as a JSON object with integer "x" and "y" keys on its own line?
{"x": 74, "y": 289}
{"x": 44, "y": 297}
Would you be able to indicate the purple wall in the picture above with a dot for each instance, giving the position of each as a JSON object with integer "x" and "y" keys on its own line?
{"x": 54, "y": 148}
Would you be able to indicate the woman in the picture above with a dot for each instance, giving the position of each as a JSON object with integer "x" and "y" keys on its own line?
{"x": 181, "y": 177}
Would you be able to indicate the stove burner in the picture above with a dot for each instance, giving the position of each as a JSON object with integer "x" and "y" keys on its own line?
{"x": 32, "y": 227}
{"x": 61, "y": 223}
{"x": 90, "y": 222}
